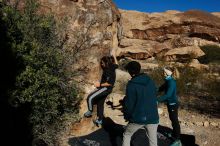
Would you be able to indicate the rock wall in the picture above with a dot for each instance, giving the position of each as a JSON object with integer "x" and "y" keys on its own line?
{"x": 91, "y": 31}
{"x": 152, "y": 36}
{"x": 96, "y": 28}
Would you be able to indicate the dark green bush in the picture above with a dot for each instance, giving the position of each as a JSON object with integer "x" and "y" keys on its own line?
{"x": 187, "y": 83}
{"x": 212, "y": 54}
{"x": 41, "y": 79}
{"x": 198, "y": 90}
{"x": 191, "y": 81}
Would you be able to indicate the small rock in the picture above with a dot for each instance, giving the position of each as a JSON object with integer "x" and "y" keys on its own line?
{"x": 206, "y": 124}
{"x": 214, "y": 124}
{"x": 188, "y": 130}
{"x": 165, "y": 115}
{"x": 193, "y": 116}
{"x": 160, "y": 111}
{"x": 190, "y": 124}
{"x": 187, "y": 123}
{"x": 205, "y": 143}
{"x": 198, "y": 123}
{"x": 182, "y": 124}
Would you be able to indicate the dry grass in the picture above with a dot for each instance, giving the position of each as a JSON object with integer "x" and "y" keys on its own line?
{"x": 198, "y": 90}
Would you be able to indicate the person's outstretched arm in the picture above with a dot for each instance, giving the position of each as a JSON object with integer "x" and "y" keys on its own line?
{"x": 170, "y": 90}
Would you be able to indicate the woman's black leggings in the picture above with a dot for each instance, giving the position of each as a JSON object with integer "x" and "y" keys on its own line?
{"x": 98, "y": 97}
{"x": 173, "y": 115}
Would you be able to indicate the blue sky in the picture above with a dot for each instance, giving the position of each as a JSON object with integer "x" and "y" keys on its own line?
{"x": 164, "y": 5}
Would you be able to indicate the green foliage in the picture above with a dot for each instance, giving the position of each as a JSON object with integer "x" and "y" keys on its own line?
{"x": 187, "y": 83}
{"x": 212, "y": 54}
{"x": 192, "y": 81}
{"x": 41, "y": 80}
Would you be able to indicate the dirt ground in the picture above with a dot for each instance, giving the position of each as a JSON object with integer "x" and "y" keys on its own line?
{"x": 205, "y": 127}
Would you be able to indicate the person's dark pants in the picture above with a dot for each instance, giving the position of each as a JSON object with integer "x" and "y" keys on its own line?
{"x": 98, "y": 97}
{"x": 173, "y": 115}
{"x": 100, "y": 108}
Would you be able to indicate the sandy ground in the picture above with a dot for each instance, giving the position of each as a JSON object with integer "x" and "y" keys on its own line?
{"x": 205, "y": 128}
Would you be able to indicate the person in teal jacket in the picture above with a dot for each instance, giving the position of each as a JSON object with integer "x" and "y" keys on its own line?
{"x": 171, "y": 99}
{"x": 140, "y": 105}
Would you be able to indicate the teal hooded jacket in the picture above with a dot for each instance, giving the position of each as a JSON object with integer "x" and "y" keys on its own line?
{"x": 140, "y": 102}
{"x": 169, "y": 88}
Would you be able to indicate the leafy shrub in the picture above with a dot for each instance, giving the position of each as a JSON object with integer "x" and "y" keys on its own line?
{"x": 191, "y": 81}
{"x": 187, "y": 83}
{"x": 212, "y": 54}
{"x": 41, "y": 80}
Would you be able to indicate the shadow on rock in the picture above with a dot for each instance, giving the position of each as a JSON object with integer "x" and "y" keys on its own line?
{"x": 111, "y": 135}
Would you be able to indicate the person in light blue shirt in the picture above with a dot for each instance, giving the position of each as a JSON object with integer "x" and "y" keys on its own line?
{"x": 170, "y": 90}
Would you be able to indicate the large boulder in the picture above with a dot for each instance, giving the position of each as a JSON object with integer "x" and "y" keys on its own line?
{"x": 90, "y": 29}
{"x": 183, "y": 53}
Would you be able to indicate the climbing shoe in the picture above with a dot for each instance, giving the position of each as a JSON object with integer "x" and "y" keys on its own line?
{"x": 88, "y": 114}
{"x": 97, "y": 122}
